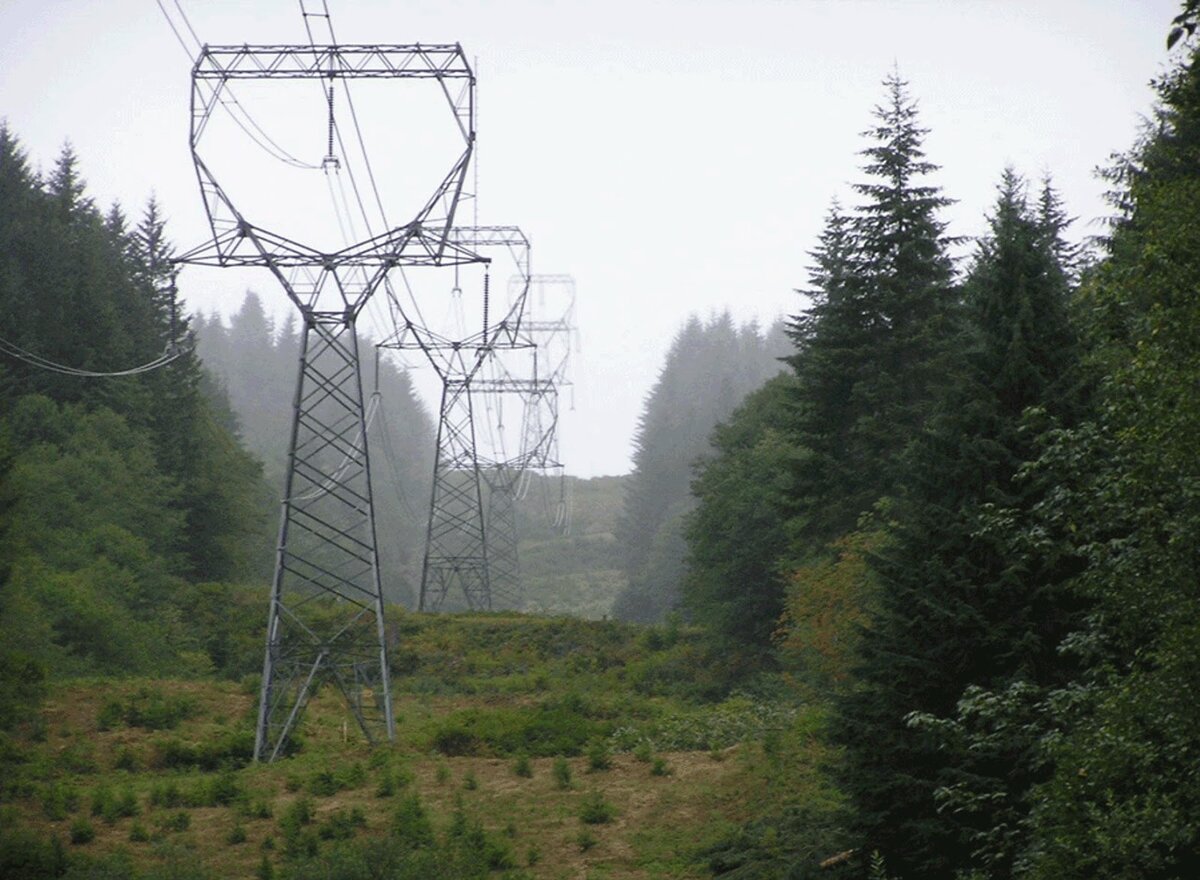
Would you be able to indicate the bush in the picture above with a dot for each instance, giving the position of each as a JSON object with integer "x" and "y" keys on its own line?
{"x": 179, "y": 821}
{"x": 110, "y": 715}
{"x": 598, "y": 756}
{"x": 166, "y": 794}
{"x": 231, "y": 750}
{"x": 523, "y": 767}
{"x": 561, "y": 771}
{"x": 411, "y": 827}
{"x": 595, "y": 810}
{"x": 553, "y": 728}
{"x": 58, "y": 801}
{"x": 27, "y": 855}
{"x": 82, "y": 831}
{"x": 323, "y": 783}
{"x": 151, "y": 709}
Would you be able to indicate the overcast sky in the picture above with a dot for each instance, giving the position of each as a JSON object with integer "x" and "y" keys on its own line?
{"x": 674, "y": 156}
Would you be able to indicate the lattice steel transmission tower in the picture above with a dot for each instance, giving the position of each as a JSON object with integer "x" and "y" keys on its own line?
{"x": 553, "y": 328}
{"x": 326, "y": 611}
{"x": 456, "y": 546}
{"x": 532, "y": 377}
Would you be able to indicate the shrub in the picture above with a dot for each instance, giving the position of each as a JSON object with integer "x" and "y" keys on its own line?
{"x": 598, "y": 756}
{"x": 230, "y": 750}
{"x": 585, "y": 840}
{"x": 82, "y": 831}
{"x": 178, "y": 821}
{"x": 154, "y": 710}
{"x": 353, "y": 776}
{"x": 561, "y": 771}
{"x": 660, "y": 768}
{"x": 26, "y": 854}
{"x": 324, "y": 783}
{"x": 110, "y": 715}
{"x": 138, "y": 833}
{"x": 411, "y": 827}
{"x": 165, "y": 794}
{"x": 101, "y": 799}
{"x": 595, "y": 810}
{"x": 59, "y": 800}
{"x": 121, "y": 806}
{"x": 236, "y": 835}
{"x": 523, "y": 767}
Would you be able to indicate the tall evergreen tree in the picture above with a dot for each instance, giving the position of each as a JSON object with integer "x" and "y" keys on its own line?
{"x": 1124, "y": 797}
{"x": 957, "y": 606}
{"x": 708, "y": 370}
{"x": 872, "y": 350}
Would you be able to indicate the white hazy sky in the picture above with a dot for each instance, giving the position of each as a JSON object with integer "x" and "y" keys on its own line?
{"x": 674, "y": 156}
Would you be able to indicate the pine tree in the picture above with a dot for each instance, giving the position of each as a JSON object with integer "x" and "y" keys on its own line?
{"x": 957, "y": 605}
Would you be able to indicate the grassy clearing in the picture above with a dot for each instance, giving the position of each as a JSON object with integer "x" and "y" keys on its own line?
{"x": 492, "y": 712}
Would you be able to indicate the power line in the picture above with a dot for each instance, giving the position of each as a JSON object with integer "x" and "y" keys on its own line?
{"x": 173, "y": 352}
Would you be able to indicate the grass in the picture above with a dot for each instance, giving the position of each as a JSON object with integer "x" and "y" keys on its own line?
{"x": 541, "y": 704}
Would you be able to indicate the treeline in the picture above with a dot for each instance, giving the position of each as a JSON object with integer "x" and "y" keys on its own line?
{"x": 710, "y": 367}
{"x": 255, "y": 366}
{"x": 116, "y": 491}
{"x": 965, "y": 521}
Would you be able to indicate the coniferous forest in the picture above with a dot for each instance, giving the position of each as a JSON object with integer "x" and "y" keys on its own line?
{"x": 901, "y": 588}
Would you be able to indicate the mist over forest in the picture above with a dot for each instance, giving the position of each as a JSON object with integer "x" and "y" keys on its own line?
{"x": 900, "y": 586}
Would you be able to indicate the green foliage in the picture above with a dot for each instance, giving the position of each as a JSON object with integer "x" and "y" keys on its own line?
{"x": 598, "y": 756}
{"x": 551, "y": 728}
{"x": 708, "y": 370}
{"x": 82, "y": 831}
{"x": 1120, "y": 798}
{"x": 22, "y": 687}
{"x": 736, "y": 535}
{"x": 560, "y": 771}
{"x": 229, "y": 750}
{"x": 30, "y": 856}
{"x": 828, "y": 605}
{"x": 872, "y": 349}
{"x": 523, "y": 767}
{"x": 991, "y": 611}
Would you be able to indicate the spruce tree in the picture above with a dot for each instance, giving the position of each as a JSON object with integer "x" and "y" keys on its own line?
{"x": 957, "y": 606}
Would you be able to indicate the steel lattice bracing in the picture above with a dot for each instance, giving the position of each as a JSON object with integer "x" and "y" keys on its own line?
{"x": 326, "y": 619}
{"x": 456, "y": 566}
{"x": 504, "y": 564}
{"x": 326, "y": 615}
{"x": 456, "y": 544}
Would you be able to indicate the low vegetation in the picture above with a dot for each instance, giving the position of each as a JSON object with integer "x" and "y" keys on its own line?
{"x": 523, "y": 750}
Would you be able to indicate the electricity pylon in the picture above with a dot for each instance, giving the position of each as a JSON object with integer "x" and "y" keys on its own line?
{"x": 326, "y": 618}
{"x": 553, "y": 329}
{"x": 456, "y": 545}
{"x": 533, "y": 378}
